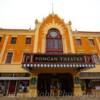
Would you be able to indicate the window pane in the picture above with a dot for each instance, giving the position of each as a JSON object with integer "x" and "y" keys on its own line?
{"x": 9, "y": 57}
{"x": 48, "y": 44}
{"x": 56, "y": 44}
{"x": 78, "y": 41}
{"x": 54, "y": 41}
{"x": 13, "y": 40}
{"x": 28, "y": 40}
{"x": 23, "y": 86}
{"x": 51, "y": 44}
{"x": 91, "y": 42}
{"x": 60, "y": 44}
{"x": 96, "y": 59}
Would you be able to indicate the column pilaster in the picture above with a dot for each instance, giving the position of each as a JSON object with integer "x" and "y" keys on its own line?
{"x": 3, "y": 48}
{"x": 98, "y": 43}
{"x": 77, "y": 86}
{"x": 33, "y": 86}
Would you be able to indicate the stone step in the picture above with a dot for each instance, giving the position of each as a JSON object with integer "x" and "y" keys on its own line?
{"x": 53, "y": 98}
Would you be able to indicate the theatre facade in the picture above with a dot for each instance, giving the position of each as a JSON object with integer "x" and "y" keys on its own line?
{"x": 51, "y": 60}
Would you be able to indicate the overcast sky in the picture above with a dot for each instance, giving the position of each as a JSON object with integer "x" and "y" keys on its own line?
{"x": 84, "y": 14}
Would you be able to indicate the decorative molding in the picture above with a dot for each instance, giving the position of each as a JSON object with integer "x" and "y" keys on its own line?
{"x": 86, "y": 35}
{"x": 60, "y": 28}
{"x": 98, "y": 43}
{"x": 71, "y": 42}
{"x": 36, "y": 37}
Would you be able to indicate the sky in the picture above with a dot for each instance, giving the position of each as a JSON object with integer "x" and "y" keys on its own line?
{"x": 21, "y": 14}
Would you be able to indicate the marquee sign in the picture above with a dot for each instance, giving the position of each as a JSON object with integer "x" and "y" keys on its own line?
{"x": 57, "y": 58}
{"x": 60, "y": 60}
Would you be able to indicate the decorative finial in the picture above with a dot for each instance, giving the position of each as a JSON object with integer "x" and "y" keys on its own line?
{"x": 70, "y": 23}
{"x": 52, "y": 8}
{"x": 36, "y": 21}
{"x": 76, "y": 30}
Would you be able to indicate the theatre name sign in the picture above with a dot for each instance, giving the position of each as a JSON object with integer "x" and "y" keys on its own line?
{"x": 59, "y": 60}
{"x": 56, "y": 58}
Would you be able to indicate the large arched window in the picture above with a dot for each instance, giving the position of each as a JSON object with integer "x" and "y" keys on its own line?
{"x": 54, "y": 42}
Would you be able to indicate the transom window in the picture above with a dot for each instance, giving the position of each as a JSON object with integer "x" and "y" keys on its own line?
{"x": 54, "y": 41}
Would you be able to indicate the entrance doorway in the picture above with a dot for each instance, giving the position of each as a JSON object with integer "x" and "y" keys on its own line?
{"x": 55, "y": 84}
{"x": 12, "y": 87}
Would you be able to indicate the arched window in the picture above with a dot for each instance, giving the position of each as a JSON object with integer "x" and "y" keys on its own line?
{"x": 54, "y": 42}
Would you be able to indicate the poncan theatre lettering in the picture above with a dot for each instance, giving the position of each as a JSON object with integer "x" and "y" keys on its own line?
{"x": 57, "y": 58}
